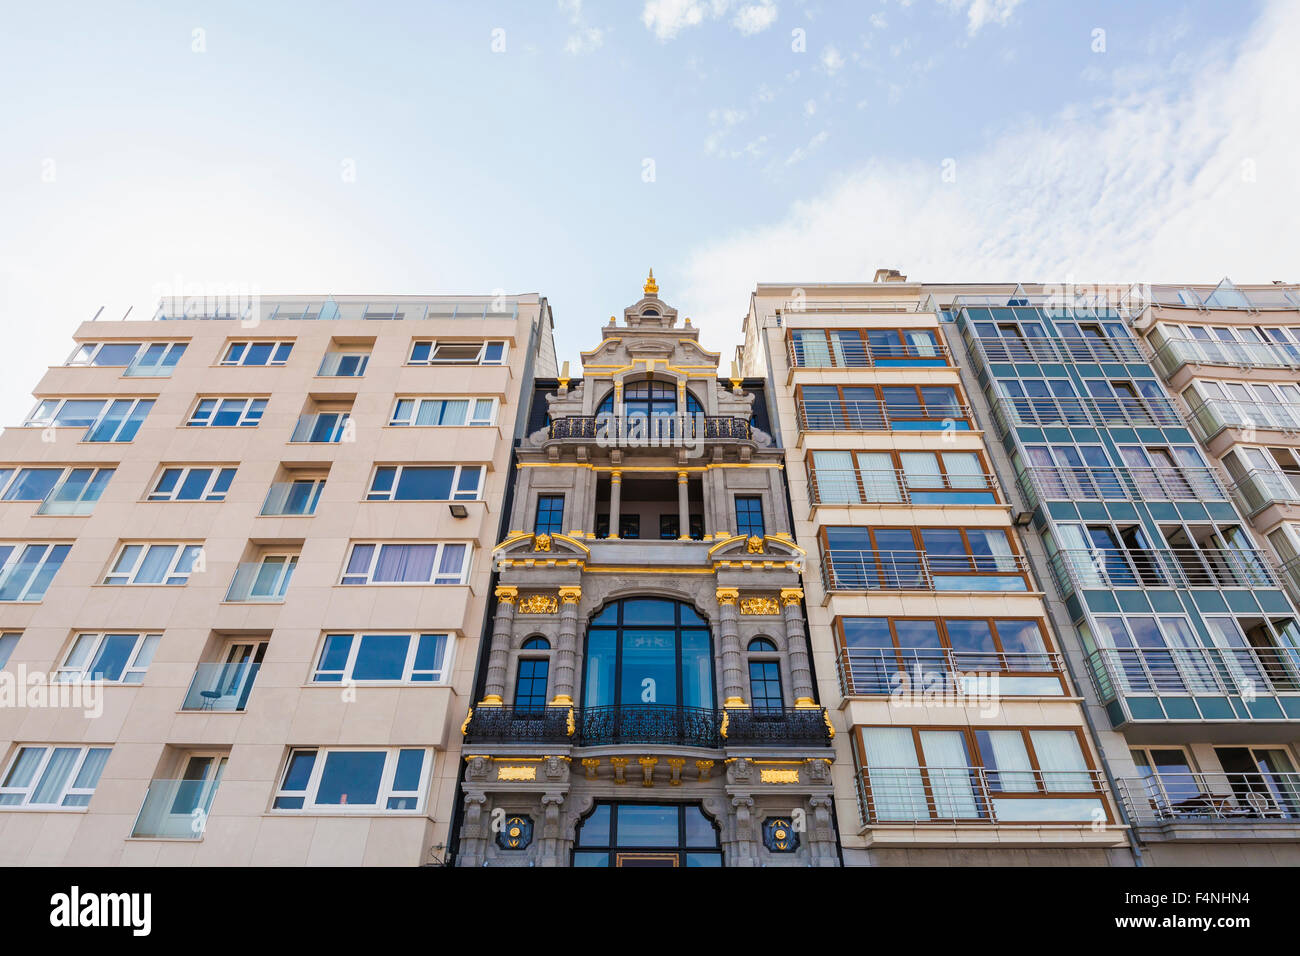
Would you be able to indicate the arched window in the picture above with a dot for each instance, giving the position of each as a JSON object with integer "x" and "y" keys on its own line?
{"x": 532, "y": 677}
{"x": 648, "y": 654}
{"x": 536, "y": 644}
{"x": 764, "y": 677}
{"x": 762, "y": 644}
{"x": 650, "y": 399}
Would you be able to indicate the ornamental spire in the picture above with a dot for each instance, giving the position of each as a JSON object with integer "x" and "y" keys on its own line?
{"x": 651, "y": 287}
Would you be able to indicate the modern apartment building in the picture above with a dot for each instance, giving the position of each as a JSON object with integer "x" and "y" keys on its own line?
{"x": 251, "y": 556}
{"x": 647, "y": 697}
{"x": 961, "y": 735}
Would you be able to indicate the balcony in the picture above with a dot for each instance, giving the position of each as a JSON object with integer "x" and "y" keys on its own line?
{"x": 1058, "y": 483}
{"x": 1011, "y": 413}
{"x": 920, "y": 571}
{"x": 896, "y": 486}
{"x": 618, "y": 430}
{"x": 861, "y": 354}
{"x": 880, "y": 672}
{"x": 650, "y": 724}
{"x": 877, "y": 415}
{"x": 948, "y": 795}
{"x": 1229, "y": 802}
{"x": 1193, "y": 672}
{"x": 1069, "y": 349}
{"x": 292, "y": 498}
{"x": 326, "y": 428}
{"x": 1258, "y": 490}
{"x": 1174, "y": 353}
{"x": 1213, "y": 415}
{"x": 262, "y": 582}
{"x": 175, "y": 810}
{"x": 1184, "y": 568}
{"x": 220, "y": 688}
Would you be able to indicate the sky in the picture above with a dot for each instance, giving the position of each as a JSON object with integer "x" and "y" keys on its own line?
{"x": 566, "y": 146}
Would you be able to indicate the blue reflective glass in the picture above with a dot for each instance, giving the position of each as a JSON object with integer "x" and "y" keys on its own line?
{"x": 594, "y": 831}
{"x": 351, "y": 777}
{"x": 424, "y": 484}
{"x": 381, "y": 657}
{"x": 409, "y": 765}
{"x": 114, "y": 654}
{"x": 648, "y": 611}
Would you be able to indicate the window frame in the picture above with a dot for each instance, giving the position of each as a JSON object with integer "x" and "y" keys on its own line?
{"x": 438, "y": 677}
{"x": 554, "y": 522}
{"x": 246, "y": 347}
{"x": 472, "y": 418}
{"x": 97, "y": 347}
{"x": 753, "y": 502}
{"x": 136, "y": 665}
{"x": 83, "y": 793}
{"x": 918, "y": 547}
{"x": 209, "y": 495}
{"x": 384, "y": 795}
{"x": 378, "y": 545}
{"x": 458, "y": 473}
{"x": 183, "y": 548}
{"x": 106, "y": 405}
{"x": 434, "y": 344}
{"x": 15, "y": 556}
{"x": 250, "y": 414}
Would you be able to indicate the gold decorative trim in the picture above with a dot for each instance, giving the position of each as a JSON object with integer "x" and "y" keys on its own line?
{"x": 727, "y": 595}
{"x": 506, "y": 594}
{"x": 791, "y": 596}
{"x": 779, "y": 776}
{"x": 759, "y": 605}
{"x": 539, "y": 604}
{"x": 754, "y": 544}
{"x": 570, "y": 595}
{"x": 542, "y": 542}
{"x": 516, "y": 773}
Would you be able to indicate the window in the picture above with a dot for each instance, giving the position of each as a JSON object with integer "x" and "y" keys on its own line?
{"x": 857, "y": 348}
{"x": 296, "y": 497}
{"x": 119, "y": 658}
{"x": 765, "y": 685}
{"x": 26, "y": 570}
{"x": 62, "y": 490}
{"x": 550, "y": 514}
{"x": 344, "y": 364}
{"x": 457, "y": 353}
{"x": 422, "y": 412}
{"x": 153, "y": 564}
{"x": 115, "y": 420}
{"x": 264, "y": 580}
{"x": 8, "y": 641}
{"x": 426, "y": 483}
{"x": 156, "y": 360}
{"x": 530, "y": 681}
{"x": 257, "y": 353}
{"x": 227, "y": 412}
{"x": 180, "y": 483}
{"x": 354, "y": 780}
{"x": 641, "y": 834}
{"x": 432, "y": 563}
{"x": 881, "y": 408}
{"x": 50, "y": 777}
{"x": 328, "y": 426}
{"x": 178, "y": 809}
{"x": 113, "y": 354}
{"x": 147, "y": 358}
{"x": 408, "y": 658}
{"x": 648, "y": 652}
{"x": 650, "y": 400}
{"x": 749, "y": 515}
{"x": 847, "y": 477}
{"x": 939, "y": 559}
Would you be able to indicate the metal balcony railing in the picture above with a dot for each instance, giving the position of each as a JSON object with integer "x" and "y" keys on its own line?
{"x": 876, "y": 415}
{"x": 1009, "y": 413}
{"x": 1213, "y": 415}
{"x": 1257, "y": 490}
{"x": 1289, "y": 571}
{"x": 1058, "y": 348}
{"x": 964, "y": 794}
{"x": 631, "y": 429}
{"x": 861, "y": 354}
{"x": 1216, "y": 797}
{"x": 1174, "y": 353}
{"x": 829, "y": 486}
{"x": 1180, "y": 671}
{"x": 796, "y": 306}
{"x": 1161, "y": 568}
{"x": 1059, "y": 483}
{"x": 220, "y": 687}
{"x": 650, "y": 724}
{"x": 875, "y": 671}
{"x": 921, "y": 571}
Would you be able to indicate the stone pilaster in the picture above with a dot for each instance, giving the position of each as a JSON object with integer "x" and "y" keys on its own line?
{"x": 502, "y": 632}
{"x": 797, "y": 647}
{"x": 733, "y": 688}
{"x": 565, "y": 653}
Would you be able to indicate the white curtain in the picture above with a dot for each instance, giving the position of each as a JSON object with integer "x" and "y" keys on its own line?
{"x": 1014, "y": 771}
{"x": 893, "y": 775}
{"x": 812, "y": 345}
{"x": 948, "y": 766}
{"x": 964, "y": 470}
{"x": 922, "y": 343}
{"x": 56, "y": 774}
{"x": 921, "y": 468}
{"x": 836, "y": 483}
{"x": 878, "y": 479}
{"x": 1060, "y": 759}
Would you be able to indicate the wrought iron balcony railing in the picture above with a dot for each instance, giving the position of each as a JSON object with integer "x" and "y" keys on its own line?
{"x": 1258, "y": 490}
{"x": 1213, "y": 415}
{"x": 875, "y": 415}
{"x": 973, "y": 794}
{"x": 1174, "y": 353}
{"x": 650, "y": 724}
{"x": 630, "y": 429}
{"x": 1182, "y": 671}
{"x": 857, "y": 353}
{"x": 1184, "y": 568}
{"x": 921, "y": 571}
{"x": 828, "y": 486}
{"x": 1213, "y": 798}
{"x": 1059, "y": 483}
{"x": 878, "y": 671}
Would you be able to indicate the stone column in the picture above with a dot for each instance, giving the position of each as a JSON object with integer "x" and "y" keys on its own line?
{"x": 502, "y": 631}
{"x": 615, "y": 501}
{"x": 797, "y": 647}
{"x": 733, "y": 688}
{"x": 565, "y": 653}
{"x": 684, "y": 504}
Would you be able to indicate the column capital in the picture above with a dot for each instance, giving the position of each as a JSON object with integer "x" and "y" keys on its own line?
{"x": 507, "y": 593}
{"x": 571, "y": 595}
{"x": 791, "y": 596}
{"x": 616, "y": 475}
{"x": 683, "y": 476}
{"x": 727, "y": 596}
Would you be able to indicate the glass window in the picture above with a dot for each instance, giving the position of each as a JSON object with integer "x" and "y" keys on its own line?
{"x": 550, "y": 514}
{"x": 192, "y": 484}
{"x": 749, "y": 515}
{"x": 443, "y": 412}
{"x": 153, "y": 564}
{"x": 369, "y": 781}
{"x": 426, "y": 483}
{"x": 662, "y": 651}
{"x": 414, "y": 658}
{"x": 765, "y": 685}
{"x": 118, "y": 658}
{"x": 257, "y": 353}
{"x": 26, "y": 570}
{"x": 431, "y": 563}
{"x": 51, "y": 777}
{"x": 8, "y": 641}
{"x": 530, "y": 685}
{"x": 227, "y": 412}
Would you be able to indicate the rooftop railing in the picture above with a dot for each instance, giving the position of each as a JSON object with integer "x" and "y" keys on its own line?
{"x": 252, "y": 309}
{"x": 861, "y": 354}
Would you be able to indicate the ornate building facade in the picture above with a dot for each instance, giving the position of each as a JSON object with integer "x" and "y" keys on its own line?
{"x": 648, "y": 697}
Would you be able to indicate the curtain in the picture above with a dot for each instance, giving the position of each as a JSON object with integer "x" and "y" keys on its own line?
{"x": 836, "y": 483}
{"x": 428, "y": 413}
{"x": 155, "y": 564}
{"x": 893, "y": 775}
{"x": 921, "y": 469}
{"x": 811, "y": 349}
{"x": 408, "y": 563}
{"x": 879, "y": 482}
{"x": 1014, "y": 772}
{"x": 454, "y": 411}
{"x": 453, "y": 560}
{"x": 1059, "y": 757}
{"x": 997, "y": 545}
{"x": 56, "y": 775}
{"x": 948, "y": 766}
{"x": 964, "y": 469}
{"x": 921, "y": 342}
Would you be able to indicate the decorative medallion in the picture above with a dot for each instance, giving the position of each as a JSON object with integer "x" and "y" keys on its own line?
{"x": 759, "y": 605}
{"x": 539, "y": 604}
{"x": 779, "y": 836}
{"x": 754, "y": 544}
{"x": 542, "y": 542}
{"x": 516, "y": 834}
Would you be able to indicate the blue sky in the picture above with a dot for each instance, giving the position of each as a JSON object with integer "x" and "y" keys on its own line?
{"x": 142, "y": 156}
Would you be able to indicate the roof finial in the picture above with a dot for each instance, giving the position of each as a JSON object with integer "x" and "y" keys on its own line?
{"x": 651, "y": 287}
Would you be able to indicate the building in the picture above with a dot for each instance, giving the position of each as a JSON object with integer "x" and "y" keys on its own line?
{"x": 252, "y": 557}
{"x": 647, "y": 697}
{"x": 961, "y": 736}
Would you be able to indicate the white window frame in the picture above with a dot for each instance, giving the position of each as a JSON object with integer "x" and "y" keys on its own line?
{"x": 81, "y": 794}
{"x": 245, "y": 415}
{"x": 317, "y": 483}
{"x": 479, "y": 359}
{"x": 8, "y": 641}
{"x": 342, "y": 352}
{"x": 458, "y": 471}
{"x": 36, "y": 420}
{"x": 95, "y": 349}
{"x": 155, "y": 495}
{"x": 283, "y": 576}
{"x": 246, "y": 346}
{"x": 85, "y": 649}
{"x": 10, "y": 561}
{"x": 367, "y": 577}
{"x": 473, "y": 418}
{"x": 182, "y": 548}
{"x": 382, "y": 797}
{"x": 439, "y": 675}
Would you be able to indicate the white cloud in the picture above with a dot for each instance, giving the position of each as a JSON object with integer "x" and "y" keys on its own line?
{"x": 979, "y": 13}
{"x": 810, "y": 108}
{"x": 801, "y": 153}
{"x": 667, "y": 18}
{"x": 1149, "y": 183}
{"x": 585, "y": 38}
{"x": 832, "y": 60}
